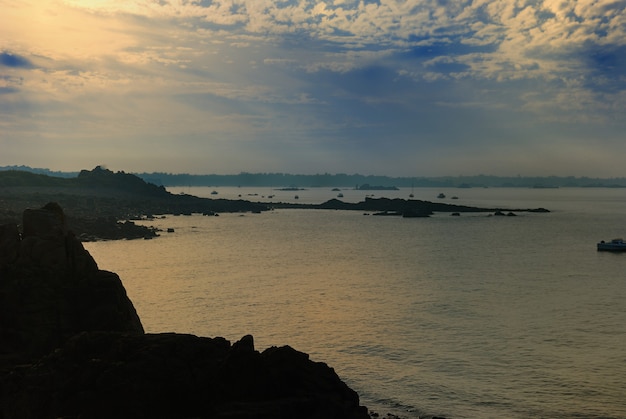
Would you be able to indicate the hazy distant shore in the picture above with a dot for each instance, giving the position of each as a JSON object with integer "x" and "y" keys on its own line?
{"x": 279, "y": 180}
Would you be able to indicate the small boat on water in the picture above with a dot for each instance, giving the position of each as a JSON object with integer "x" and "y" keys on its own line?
{"x": 615, "y": 245}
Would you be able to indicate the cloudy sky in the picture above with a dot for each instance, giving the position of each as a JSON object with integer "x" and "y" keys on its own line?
{"x": 386, "y": 87}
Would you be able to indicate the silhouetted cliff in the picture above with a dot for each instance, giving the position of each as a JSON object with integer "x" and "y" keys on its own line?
{"x": 72, "y": 345}
{"x": 51, "y": 288}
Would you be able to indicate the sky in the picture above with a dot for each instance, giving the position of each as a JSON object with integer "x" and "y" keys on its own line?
{"x": 375, "y": 87}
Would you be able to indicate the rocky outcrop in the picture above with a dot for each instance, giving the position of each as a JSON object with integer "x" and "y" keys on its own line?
{"x": 51, "y": 288}
{"x": 9, "y": 243}
{"x": 72, "y": 345}
{"x": 104, "y": 375}
{"x": 109, "y": 228}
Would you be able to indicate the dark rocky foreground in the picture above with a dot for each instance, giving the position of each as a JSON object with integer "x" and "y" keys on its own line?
{"x": 112, "y": 374}
{"x": 73, "y": 346}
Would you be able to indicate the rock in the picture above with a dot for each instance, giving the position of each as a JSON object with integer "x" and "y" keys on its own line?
{"x": 105, "y": 374}
{"x": 245, "y": 344}
{"x": 48, "y": 221}
{"x": 9, "y": 244}
{"x": 48, "y": 243}
{"x": 72, "y": 345}
{"x": 396, "y": 206}
{"x": 51, "y": 289}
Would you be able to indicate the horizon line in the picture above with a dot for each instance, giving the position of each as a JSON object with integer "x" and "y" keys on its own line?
{"x": 517, "y": 176}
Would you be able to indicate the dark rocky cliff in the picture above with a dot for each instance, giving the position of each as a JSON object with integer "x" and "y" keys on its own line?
{"x": 51, "y": 288}
{"x": 72, "y": 345}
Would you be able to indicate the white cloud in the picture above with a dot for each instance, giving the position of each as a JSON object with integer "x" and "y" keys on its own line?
{"x": 249, "y": 69}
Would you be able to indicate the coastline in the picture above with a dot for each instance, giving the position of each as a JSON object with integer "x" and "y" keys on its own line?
{"x": 73, "y": 346}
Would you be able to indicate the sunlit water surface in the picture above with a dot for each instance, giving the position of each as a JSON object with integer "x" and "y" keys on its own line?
{"x": 463, "y": 317}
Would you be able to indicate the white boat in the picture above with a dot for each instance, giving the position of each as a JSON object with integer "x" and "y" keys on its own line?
{"x": 615, "y": 245}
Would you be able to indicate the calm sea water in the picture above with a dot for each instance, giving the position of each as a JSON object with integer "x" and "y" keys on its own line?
{"x": 463, "y": 317}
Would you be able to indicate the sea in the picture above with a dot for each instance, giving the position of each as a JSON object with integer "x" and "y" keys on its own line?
{"x": 470, "y": 316}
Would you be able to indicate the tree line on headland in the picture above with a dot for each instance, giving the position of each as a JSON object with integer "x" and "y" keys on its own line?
{"x": 353, "y": 180}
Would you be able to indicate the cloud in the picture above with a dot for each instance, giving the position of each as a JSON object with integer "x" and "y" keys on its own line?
{"x": 329, "y": 78}
{"x": 518, "y": 39}
{"x": 7, "y": 89}
{"x": 8, "y": 59}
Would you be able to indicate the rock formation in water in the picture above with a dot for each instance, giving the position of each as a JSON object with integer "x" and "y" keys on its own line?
{"x": 72, "y": 345}
{"x": 398, "y": 206}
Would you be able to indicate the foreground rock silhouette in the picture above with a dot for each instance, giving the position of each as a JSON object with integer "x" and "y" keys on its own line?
{"x": 73, "y": 346}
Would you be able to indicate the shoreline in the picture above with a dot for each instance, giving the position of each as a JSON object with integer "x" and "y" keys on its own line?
{"x": 107, "y": 214}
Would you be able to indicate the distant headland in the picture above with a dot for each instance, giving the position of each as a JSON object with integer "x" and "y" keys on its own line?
{"x": 353, "y": 180}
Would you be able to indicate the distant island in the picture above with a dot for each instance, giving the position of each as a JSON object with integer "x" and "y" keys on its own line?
{"x": 279, "y": 180}
{"x": 291, "y": 188}
{"x": 368, "y": 187}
